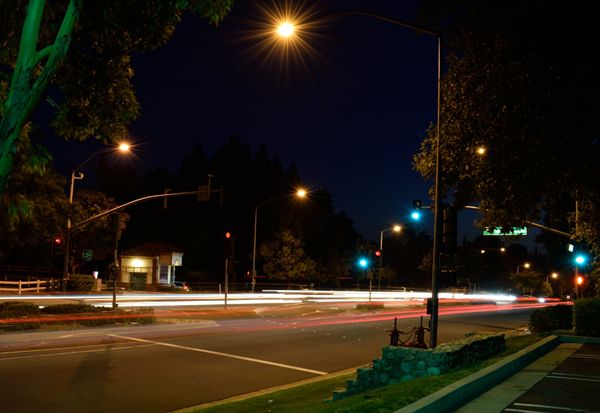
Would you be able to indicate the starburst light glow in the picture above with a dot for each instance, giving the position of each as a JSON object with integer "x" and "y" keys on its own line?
{"x": 285, "y": 29}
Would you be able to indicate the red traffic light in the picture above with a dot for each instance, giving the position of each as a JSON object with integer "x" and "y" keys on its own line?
{"x": 378, "y": 253}
{"x": 57, "y": 240}
{"x": 228, "y": 235}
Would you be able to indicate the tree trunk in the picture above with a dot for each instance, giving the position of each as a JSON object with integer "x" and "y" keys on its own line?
{"x": 25, "y": 91}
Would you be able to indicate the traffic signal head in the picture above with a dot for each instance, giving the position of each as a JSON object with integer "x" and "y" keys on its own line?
{"x": 580, "y": 259}
{"x": 415, "y": 215}
{"x": 363, "y": 263}
{"x": 57, "y": 240}
{"x": 228, "y": 235}
{"x": 378, "y": 253}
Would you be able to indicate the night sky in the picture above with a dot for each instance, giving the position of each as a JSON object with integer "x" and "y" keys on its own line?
{"x": 351, "y": 113}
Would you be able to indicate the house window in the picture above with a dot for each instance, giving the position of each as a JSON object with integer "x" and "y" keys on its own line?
{"x": 164, "y": 274}
{"x": 138, "y": 280}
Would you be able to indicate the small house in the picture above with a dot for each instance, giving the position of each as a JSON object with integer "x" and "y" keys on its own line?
{"x": 149, "y": 265}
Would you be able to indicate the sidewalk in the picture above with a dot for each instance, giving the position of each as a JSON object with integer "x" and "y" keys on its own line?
{"x": 559, "y": 373}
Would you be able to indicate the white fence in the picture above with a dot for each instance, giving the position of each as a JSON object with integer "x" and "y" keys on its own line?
{"x": 22, "y": 286}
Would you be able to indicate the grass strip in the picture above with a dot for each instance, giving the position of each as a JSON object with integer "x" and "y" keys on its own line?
{"x": 311, "y": 397}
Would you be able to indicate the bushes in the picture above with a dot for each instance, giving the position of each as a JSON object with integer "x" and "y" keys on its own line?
{"x": 557, "y": 317}
{"x": 583, "y": 317}
{"x": 20, "y": 315}
{"x": 77, "y": 282}
{"x": 586, "y": 317}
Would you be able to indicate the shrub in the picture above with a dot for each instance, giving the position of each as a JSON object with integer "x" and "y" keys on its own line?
{"x": 13, "y": 309}
{"x": 69, "y": 309}
{"x": 557, "y": 317}
{"x": 79, "y": 282}
{"x": 586, "y": 313}
{"x": 72, "y": 314}
{"x": 18, "y": 309}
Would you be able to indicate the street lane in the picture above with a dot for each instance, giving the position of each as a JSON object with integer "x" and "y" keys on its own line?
{"x": 166, "y": 367}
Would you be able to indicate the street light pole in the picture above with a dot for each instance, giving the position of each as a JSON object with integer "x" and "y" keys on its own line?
{"x": 76, "y": 175}
{"x": 395, "y": 228}
{"x": 300, "y": 193}
{"x": 437, "y": 222}
{"x": 254, "y": 248}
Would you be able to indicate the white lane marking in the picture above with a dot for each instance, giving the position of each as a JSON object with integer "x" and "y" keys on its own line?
{"x": 523, "y": 411}
{"x": 587, "y": 356}
{"x": 583, "y": 376}
{"x": 217, "y": 353}
{"x": 70, "y": 353}
{"x": 545, "y": 406}
{"x": 572, "y": 378}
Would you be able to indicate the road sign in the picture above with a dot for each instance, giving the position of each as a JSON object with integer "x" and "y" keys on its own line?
{"x": 513, "y": 231}
{"x": 87, "y": 255}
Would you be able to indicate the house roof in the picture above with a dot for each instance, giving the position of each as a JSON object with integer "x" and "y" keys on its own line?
{"x": 152, "y": 249}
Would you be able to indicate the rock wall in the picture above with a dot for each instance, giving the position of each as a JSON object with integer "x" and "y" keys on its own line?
{"x": 398, "y": 364}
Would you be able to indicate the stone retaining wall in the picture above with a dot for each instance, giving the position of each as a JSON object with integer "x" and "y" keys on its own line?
{"x": 399, "y": 364}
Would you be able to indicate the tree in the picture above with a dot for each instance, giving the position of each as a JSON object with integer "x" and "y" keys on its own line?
{"x": 86, "y": 51}
{"x": 284, "y": 259}
{"x": 519, "y": 84}
{"x": 99, "y": 235}
{"x": 34, "y": 203}
{"x": 527, "y": 281}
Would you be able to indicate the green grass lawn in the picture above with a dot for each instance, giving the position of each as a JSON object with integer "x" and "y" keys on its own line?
{"x": 311, "y": 397}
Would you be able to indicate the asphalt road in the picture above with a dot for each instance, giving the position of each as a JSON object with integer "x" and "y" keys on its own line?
{"x": 217, "y": 355}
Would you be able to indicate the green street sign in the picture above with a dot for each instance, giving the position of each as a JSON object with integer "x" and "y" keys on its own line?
{"x": 511, "y": 232}
{"x": 87, "y": 255}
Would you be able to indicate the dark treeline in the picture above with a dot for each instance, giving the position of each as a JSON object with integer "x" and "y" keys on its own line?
{"x": 240, "y": 181}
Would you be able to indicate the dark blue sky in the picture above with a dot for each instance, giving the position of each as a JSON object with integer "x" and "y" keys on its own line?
{"x": 350, "y": 115}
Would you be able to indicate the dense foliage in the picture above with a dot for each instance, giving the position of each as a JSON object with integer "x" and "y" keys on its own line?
{"x": 586, "y": 314}
{"x": 83, "y": 48}
{"x": 520, "y": 83}
{"x": 556, "y": 317}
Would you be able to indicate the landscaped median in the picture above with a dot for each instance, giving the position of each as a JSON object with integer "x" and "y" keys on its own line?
{"x": 315, "y": 395}
{"x": 20, "y": 315}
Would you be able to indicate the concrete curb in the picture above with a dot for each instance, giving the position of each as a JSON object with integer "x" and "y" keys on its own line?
{"x": 457, "y": 394}
{"x": 461, "y": 392}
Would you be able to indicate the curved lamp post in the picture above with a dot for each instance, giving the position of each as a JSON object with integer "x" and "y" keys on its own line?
{"x": 300, "y": 193}
{"x": 76, "y": 175}
{"x": 285, "y": 29}
{"x": 395, "y": 228}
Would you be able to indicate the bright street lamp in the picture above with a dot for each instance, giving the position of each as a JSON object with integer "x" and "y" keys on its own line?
{"x": 76, "y": 175}
{"x": 286, "y": 29}
{"x": 501, "y": 249}
{"x": 300, "y": 193}
{"x": 525, "y": 265}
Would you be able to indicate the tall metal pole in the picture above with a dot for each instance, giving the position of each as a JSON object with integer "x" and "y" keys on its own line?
{"x": 116, "y": 261}
{"x": 67, "y": 255}
{"x": 226, "y": 281}
{"x": 254, "y": 249}
{"x": 380, "y": 259}
{"x": 437, "y": 221}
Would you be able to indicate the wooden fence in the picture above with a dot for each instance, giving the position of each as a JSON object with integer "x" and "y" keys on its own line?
{"x": 21, "y": 286}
